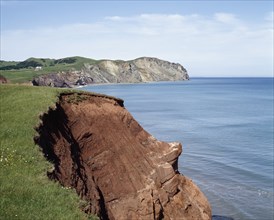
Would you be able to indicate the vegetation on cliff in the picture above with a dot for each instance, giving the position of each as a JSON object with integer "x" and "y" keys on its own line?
{"x": 26, "y": 192}
{"x": 22, "y": 72}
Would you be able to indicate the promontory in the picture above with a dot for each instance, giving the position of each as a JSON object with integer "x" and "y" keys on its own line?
{"x": 144, "y": 69}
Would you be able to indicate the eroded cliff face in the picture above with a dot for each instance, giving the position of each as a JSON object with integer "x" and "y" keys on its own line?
{"x": 123, "y": 172}
{"x": 145, "y": 69}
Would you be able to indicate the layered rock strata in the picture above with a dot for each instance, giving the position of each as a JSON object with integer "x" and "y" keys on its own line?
{"x": 143, "y": 69}
{"x": 122, "y": 171}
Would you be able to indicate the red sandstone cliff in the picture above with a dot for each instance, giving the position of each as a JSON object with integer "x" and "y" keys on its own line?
{"x": 122, "y": 171}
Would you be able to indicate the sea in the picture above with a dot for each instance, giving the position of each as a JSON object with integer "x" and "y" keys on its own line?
{"x": 226, "y": 128}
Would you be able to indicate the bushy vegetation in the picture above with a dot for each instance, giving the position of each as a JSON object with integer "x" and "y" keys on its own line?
{"x": 25, "y": 190}
{"x": 22, "y": 72}
{"x": 66, "y": 60}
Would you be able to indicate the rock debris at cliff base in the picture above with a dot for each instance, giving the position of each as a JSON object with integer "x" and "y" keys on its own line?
{"x": 123, "y": 172}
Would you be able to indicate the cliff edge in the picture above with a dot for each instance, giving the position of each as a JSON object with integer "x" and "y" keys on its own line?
{"x": 122, "y": 171}
{"x": 144, "y": 69}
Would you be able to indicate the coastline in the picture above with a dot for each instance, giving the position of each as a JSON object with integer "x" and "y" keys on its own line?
{"x": 136, "y": 83}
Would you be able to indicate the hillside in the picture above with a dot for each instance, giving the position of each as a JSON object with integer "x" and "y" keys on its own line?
{"x": 23, "y": 72}
{"x": 73, "y": 71}
{"x": 47, "y": 64}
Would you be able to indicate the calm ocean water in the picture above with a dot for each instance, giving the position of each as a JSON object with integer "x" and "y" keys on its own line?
{"x": 226, "y": 127}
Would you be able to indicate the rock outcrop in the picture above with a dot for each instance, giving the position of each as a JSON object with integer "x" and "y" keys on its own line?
{"x": 122, "y": 171}
{"x": 143, "y": 69}
{"x": 63, "y": 79}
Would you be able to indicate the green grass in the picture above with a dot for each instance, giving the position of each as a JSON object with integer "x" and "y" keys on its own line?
{"x": 26, "y": 74}
{"x": 20, "y": 76}
{"x": 25, "y": 190}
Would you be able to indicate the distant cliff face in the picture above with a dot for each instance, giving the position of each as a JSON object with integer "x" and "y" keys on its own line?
{"x": 143, "y": 69}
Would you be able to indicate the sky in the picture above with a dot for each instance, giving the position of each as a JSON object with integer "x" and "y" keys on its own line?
{"x": 209, "y": 38}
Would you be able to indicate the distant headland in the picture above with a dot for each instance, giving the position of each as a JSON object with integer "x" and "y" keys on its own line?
{"x": 79, "y": 71}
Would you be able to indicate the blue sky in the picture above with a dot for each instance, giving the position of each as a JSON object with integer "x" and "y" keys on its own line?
{"x": 209, "y": 38}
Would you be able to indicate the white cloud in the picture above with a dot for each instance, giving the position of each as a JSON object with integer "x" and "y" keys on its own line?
{"x": 114, "y": 18}
{"x": 221, "y": 44}
{"x": 226, "y": 18}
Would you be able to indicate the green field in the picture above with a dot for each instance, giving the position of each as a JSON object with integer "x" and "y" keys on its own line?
{"x": 25, "y": 190}
{"x": 24, "y": 72}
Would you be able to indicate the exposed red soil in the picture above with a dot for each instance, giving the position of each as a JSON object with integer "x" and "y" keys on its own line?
{"x": 123, "y": 172}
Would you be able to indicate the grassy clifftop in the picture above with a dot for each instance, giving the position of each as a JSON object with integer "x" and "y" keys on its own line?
{"x": 21, "y": 72}
{"x": 26, "y": 192}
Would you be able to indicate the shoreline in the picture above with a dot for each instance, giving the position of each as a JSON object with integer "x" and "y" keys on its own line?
{"x": 124, "y": 83}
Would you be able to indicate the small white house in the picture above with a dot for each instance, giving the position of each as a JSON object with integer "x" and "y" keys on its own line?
{"x": 38, "y": 68}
